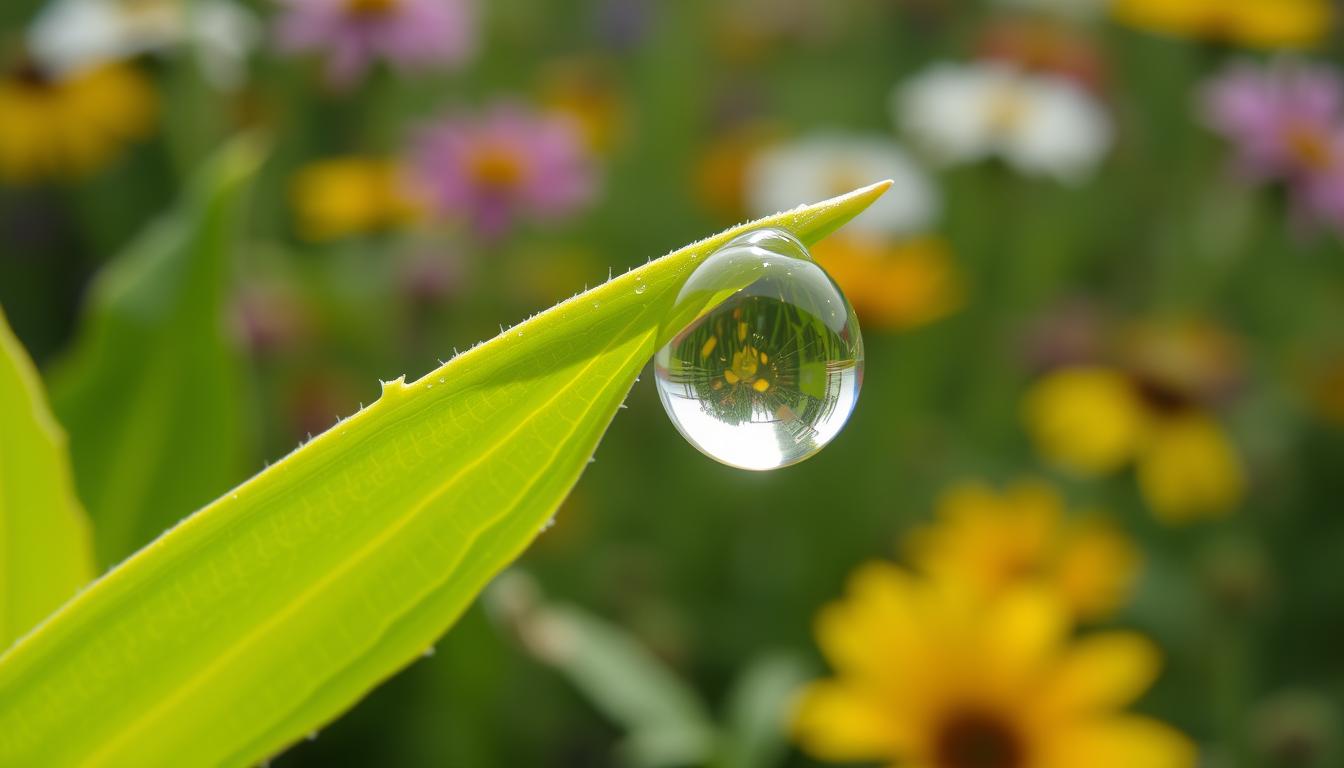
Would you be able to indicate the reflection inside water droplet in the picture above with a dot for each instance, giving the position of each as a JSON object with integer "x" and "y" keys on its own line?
{"x": 770, "y": 366}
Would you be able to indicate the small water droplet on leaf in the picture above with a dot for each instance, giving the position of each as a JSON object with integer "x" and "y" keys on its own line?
{"x": 770, "y": 369}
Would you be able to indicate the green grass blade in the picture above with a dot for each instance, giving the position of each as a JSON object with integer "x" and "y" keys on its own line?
{"x": 45, "y": 550}
{"x": 151, "y": 391}
{"x": 276, "y": 607}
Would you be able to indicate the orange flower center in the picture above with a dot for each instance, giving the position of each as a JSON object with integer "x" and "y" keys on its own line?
{"x": 497, "y": 168}
{"x": 1309, "y": 147}
{"x": 370, "y": 7}
{"x": 978, "y": 740}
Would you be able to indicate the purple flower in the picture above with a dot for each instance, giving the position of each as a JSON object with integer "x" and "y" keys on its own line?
{"x": 1287, "y": 124}
{"x": 506, "y": 162}
{"x": 353, "y": 34}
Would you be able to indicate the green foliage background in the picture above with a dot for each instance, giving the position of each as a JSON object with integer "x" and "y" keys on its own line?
{"x": 711, "y": 567}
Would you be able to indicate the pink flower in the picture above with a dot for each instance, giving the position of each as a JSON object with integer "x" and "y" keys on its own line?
{"x": 506, "y": 162}
{"x": 353, "y": 34}
{"x": 1287, "y": 124}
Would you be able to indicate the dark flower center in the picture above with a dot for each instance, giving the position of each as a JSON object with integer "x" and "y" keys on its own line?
{"x": 1161, "y": 397}
{"x": 30, "y": 74}
{"x": 370, "y": 8}
{"x": 978, "y": 740}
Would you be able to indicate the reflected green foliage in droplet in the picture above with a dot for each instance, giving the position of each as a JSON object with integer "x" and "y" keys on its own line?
{"x": 771, "y": 370}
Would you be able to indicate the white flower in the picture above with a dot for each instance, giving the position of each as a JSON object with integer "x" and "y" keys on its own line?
{"x": 1040, "y": 125}
{"x": 1075, "y": 9}
{"x": 815, "y": 168}
{"x": 71, "y": 35}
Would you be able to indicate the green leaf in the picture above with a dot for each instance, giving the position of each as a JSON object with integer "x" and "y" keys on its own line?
{"x": 151, "y": 391}
{"x": 273, "y": 609}
{"x": 45, "y": 552}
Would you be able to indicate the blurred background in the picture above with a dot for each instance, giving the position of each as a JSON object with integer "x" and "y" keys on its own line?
{"x": 1103, "y": 308}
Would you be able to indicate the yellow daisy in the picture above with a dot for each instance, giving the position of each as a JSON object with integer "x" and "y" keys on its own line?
{"x": 1266, "y": 24}
{"x": 929, "y": 678}
{"x": 893, "y": 284}
{"x": 354, "y": 195}
{"x": 1152, "y": 410}
{"x": 73, "y": 125}
{"x": 996, "y": 541}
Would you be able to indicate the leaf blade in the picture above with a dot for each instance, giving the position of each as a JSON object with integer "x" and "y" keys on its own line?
{"x": 152, "y": 339}
{"x": 46, "y": 553}
{"x": 275, "y": 607}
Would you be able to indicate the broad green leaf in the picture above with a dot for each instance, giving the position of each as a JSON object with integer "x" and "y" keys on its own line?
{"x": 273, "y": 609}
{"x": 150, "y": 392}
{"x": 45, "y": 552}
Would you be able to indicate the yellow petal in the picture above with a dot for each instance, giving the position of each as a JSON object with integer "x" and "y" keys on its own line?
{"x": 1121, "y": 742}
{"x": 1280, "y": 23}
{"x": 1019, "y": 633}
{"x": 1085, "y": 419}
{"x": 837, "y": 722}
{"x": 1101, "y": 673}
{"x": 869, "y": 633}
{"x": 1189, "y": 469}
{"x": 1095, "y": 568}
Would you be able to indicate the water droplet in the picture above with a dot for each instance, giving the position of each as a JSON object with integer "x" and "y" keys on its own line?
{"x": 641, "y": 288}
{"x": 770, "y": 366}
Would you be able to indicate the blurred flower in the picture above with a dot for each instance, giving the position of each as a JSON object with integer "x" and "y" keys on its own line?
{"x": 786, "y": 175}
{"x": 1300, "y": 729}
{"x": 354, "y": 195}
{"x": 70, "y": 125}
{"x": 721, "y": 170}
{"x": 1072, "y": 9}
{"x": 73, "y": 35}
{"x": 1044, "y": 47}
{"x": 893, "y": 284}
{"x": 586, "y": 90}
{"x": 929, "y": 677}
{"x": 1152, "y": 409}
{"x": 353, "y": 34}
{"x": 271, "y": 317}
{"x": 1252, "y": 23}
{"x": 996, "y": 541}
{"x": 506, "y": 162}
{"x": 1326, "y": 389}
{"x": 1040, "y": 125}
{"x": 1287, "y": 123}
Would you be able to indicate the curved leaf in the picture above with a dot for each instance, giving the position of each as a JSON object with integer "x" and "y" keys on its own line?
{"x": 273, "y": 609}
{"x": 151, "y": 391}
{"x": 45, "y": 552}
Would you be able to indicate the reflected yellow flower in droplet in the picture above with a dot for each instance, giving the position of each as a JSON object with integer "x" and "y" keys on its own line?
{"x": 893, "y": 284}
{"x": 1263, "y": 24}
{"x": 73, "y": 125}
{"x": 354, "y": 195}
{"x": 994, "y": 541}
{"x": 928, "y": 675}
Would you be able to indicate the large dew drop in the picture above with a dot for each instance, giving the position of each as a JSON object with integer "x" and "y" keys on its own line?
{"x": 770, "y": 368}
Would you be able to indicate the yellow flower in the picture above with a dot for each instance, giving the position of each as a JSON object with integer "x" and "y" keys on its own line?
{"x": 1086, "y": 419}
{"x": 1093, "y": 420}
{"x": 351, "y": 196}
{"x": 1268, "y": 24}
{"x": 994, "y": 542}
{"x": 585, "y": 90}
{"x": 70, "y": 126}
{"x": 1188, "y": 467}
{"x": 928, "y": 677}
{"x": 893, "y": 284}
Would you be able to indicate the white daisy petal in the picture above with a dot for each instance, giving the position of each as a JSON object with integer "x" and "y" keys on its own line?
{"x": 1040, "y": 125}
